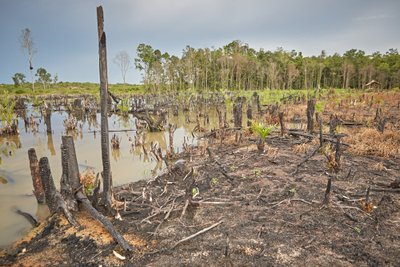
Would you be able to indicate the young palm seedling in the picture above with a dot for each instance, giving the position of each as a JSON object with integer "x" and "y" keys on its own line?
{"x": 262, "y": 131}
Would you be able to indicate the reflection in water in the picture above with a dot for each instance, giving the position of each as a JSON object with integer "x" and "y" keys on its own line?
{"x": 50, "y": 144}
{"x": 9, "y": 145}
{"x": 132, "y": 162}
{"x": 115, "y": 153}
{"x": 42, "y": 212}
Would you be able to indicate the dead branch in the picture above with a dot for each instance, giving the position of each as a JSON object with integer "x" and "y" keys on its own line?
{"x": 197, "y": 234}
{"x": 305, "y": 160}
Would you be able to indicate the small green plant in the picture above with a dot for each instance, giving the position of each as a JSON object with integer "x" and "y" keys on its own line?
{"x": 214, "y": 181}
{"x": 6, "y": 110}
{"x": 123, "y": 107}
{"x": 195, "y": 192}
{"x": 262, "y": 131}
{"x": 257, "y": 172}
{"x": 320, "y": 107}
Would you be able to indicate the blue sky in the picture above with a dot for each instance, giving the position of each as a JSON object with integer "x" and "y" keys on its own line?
{"x": 65, "y": 32}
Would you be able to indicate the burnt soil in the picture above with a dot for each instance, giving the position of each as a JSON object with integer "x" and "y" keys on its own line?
{"x": 268, "y": 215}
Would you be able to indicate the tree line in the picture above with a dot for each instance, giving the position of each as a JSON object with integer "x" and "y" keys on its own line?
{"x": 238, "y": 66}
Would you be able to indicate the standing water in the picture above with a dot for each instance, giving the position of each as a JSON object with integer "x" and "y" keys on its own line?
{"x": 128, "y": 164}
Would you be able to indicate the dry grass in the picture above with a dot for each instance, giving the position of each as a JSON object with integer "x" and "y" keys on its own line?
{"x": 367, "y": 141}
{"x": 301, "y": 148}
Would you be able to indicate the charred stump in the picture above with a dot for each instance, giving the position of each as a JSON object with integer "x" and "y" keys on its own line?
{"x": 38, "y": 189}
{"x": 333, "y": 124}
{"x": 282, "y": 123}
{"x": 310, "y": 115}
{"x": 249, "y": 114}
{"x": 237, "y": 112}
{"x": 47, "y": 120}
{"x": 54, "y": 200}
{"x": 104, "y": 97}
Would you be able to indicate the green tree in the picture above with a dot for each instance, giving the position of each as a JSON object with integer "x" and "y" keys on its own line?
{"x": 18, "y": 78}
{"x": 145, "y": 61}
{"x": 43, "y": 77}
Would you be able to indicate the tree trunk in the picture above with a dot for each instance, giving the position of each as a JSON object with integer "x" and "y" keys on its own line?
{"x": 54, "y": 200}
{"x": 282, "y": 123}
{"x": 237, "y": 112}
{"x": 310, "y": 115}
{"x": 47, "y": 119}
{"x": 249, "y": 114}
{"x": 105, "y": 143}
{"x": 38, "y": 190}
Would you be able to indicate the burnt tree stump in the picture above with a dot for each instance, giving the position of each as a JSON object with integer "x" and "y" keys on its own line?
{"x": 249, "y": 114}
{"x": 38, "y": 189}
{"x": 54, "y": 200}
{"x": 282, "y": 123}
{"x": 310, "y": 115}
{"x": 237, "y": 112}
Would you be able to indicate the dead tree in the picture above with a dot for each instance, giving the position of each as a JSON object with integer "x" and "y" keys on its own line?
{"x": 38, "y": 190}
{"x": 54, "y": 200}
{"x": 338, "y": 153}
{"x": 154, "y": 125}
{"x": 327, "y": 198}
{"x": 249, "y": 114}
{"x": 310, "y": 115}
{"x": 237, "y": 112}
{"x": 380, "y": 120}
{"x": 282, "y": 123}
{"x": 321, "y": 137}
{"x": 72, "y": 191}
{"x": 47, "y": 119}
{"x": 256, "y": 99}
{"x": 334, "y": 122}
{"x": 171, "y": 131}
{"x": 105, "y": 142}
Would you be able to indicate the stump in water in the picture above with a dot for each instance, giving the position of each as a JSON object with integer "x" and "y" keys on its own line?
{"x": 54, "y": 200}
{"x": 171, "y": 131}
{"x": 154, "y": 125}
{"x": 72, "y": 191}
{"x": 310, "y": 115}
{"x": 47, "y": 119}
{"x": 38, "y": 190}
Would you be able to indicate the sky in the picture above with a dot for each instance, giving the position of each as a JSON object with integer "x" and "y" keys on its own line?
{"x": 65, "y": 32}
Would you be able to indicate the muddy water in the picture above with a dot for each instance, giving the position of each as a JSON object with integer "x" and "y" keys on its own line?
{"x": 128, "y": 164}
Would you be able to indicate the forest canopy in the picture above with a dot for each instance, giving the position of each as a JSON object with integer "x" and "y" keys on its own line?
{"x": 238, "y": 66}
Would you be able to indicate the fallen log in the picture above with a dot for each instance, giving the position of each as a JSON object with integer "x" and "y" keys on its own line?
{"x": 311, "y": 136}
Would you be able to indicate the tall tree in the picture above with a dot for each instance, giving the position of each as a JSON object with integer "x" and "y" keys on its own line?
{"x": 144, "y": 61}
{"x": 124, "y": 63}
{"x": 28, "y": 47}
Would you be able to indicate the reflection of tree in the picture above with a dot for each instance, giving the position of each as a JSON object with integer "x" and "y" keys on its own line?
{"x": 8, "y": 145}
{"x": 116, "y": 154}
{"x": 125, "y": 121}
{"x": 50, "y": 144}
{"x": 42, "y": 212}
